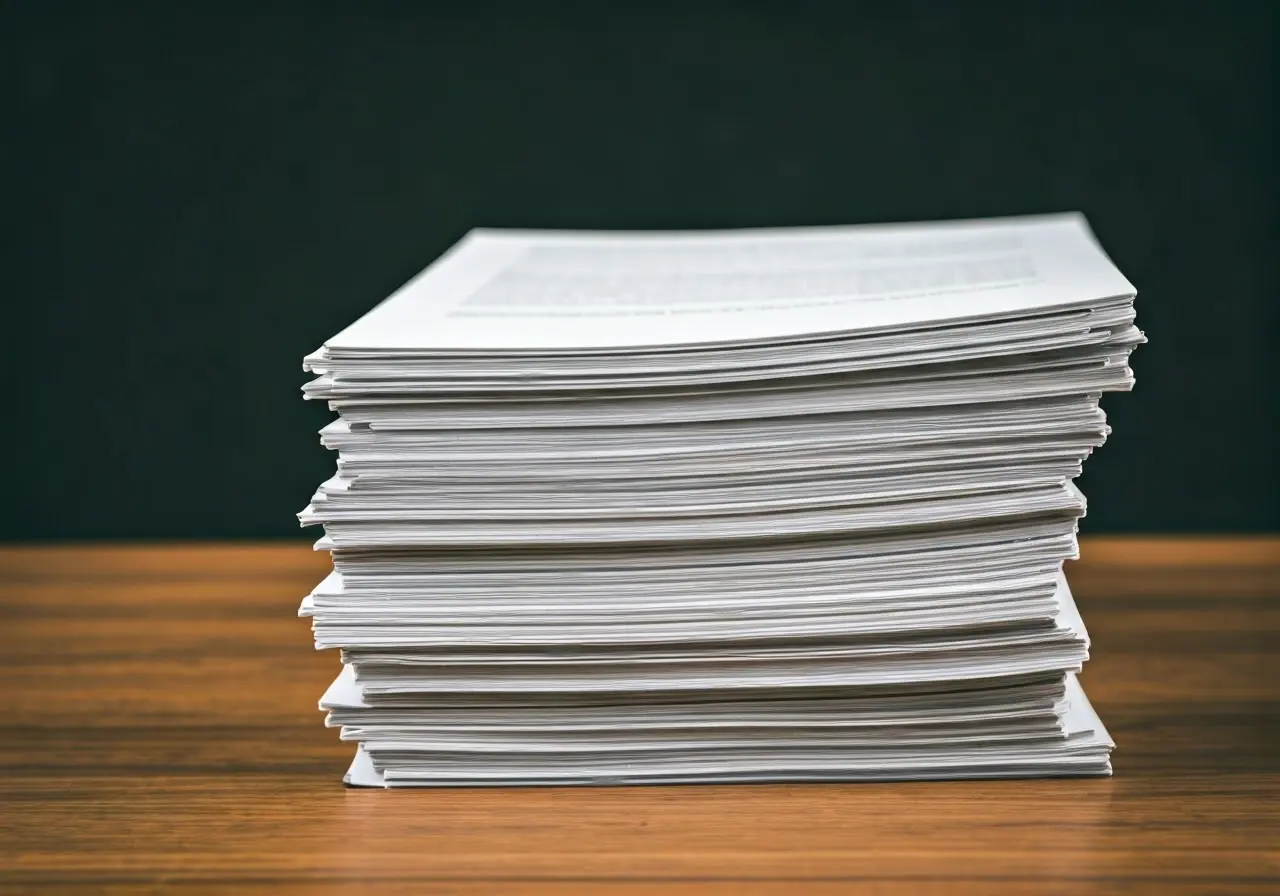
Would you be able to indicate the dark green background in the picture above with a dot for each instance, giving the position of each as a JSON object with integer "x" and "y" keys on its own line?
{"x": 202, "y": 197}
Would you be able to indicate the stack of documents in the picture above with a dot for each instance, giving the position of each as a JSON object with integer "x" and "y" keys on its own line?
{"x": 719, "y": 506}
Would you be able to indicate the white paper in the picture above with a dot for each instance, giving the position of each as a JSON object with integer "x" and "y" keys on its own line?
{"x": 523, "y": 290}
{"x": 726, "y": 506}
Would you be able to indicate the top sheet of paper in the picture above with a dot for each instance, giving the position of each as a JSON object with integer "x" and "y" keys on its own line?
{"x": 561, "y": 290}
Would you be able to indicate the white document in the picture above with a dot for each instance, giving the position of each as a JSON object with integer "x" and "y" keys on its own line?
{"x": 535, "y": 290}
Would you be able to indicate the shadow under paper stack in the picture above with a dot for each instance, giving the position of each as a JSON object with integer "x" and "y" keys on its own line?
{"x": 723, "y": 506}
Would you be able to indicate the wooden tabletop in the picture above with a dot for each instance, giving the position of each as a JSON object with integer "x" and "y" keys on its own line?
{"x": 159, "y": 727}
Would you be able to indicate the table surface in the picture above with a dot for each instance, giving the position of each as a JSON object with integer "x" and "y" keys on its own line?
{"x": 160, "y": 728}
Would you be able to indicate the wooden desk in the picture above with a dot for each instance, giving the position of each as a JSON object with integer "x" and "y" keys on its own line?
{"x": 159, "y": 727}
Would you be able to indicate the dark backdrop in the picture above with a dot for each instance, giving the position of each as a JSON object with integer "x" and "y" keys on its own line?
{"x": 201, "y": 198}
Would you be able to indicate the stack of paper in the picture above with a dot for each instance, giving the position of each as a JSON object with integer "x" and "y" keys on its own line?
{"x": 722, "y": 506}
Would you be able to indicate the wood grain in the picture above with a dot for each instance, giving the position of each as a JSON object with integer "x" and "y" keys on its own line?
{"x": 160, "y": 730}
